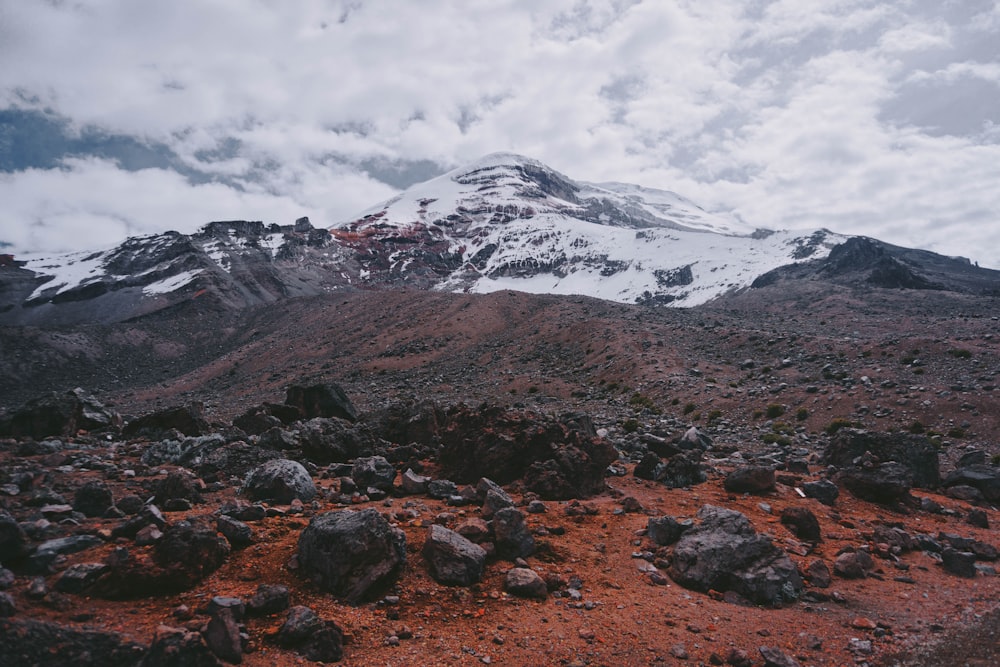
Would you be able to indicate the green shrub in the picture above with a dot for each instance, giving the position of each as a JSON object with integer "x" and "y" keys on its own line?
{"x": 776, "y": 439}
{"x": 802, "y": 414}
{"x": 630, "y": 425}
{"x": 689, "y": 408}
{"x": 837, "y": 424}
{"x": 916, "y": 427}
{"x": 956, "y": 433}
{"x": 775, "y": 410}
{"x": 960, "y": 354}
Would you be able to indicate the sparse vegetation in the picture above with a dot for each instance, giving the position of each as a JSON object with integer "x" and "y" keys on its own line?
{"x": 801, "y": 414}
{"x": 838, "y": 424}
{"x": 960, "y": 354}
{"x": 689, "y": 408}
{"x": 774, "y": 410}
{"x": 916, "y": 427}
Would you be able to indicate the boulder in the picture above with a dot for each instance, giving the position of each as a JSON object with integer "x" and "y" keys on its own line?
{"x": 511, "y": 536}
{"x": 750, "y": 479}
{"x": 916, "y": 453}
{"x": 178, "y": 484}
{"x": 328, "y": 440}
{"x": 312, "y": 637}
{"x": 802, "y": 522}
{"x": 557, "y": 459}
{"x": 724, "y": 553}
{"x": 682, "y": 470}
{"x": 886, "y": 483}
{"x": 352, "y": 555}
{"x": 29, "y": 641}
{"x": 666, "y": 530}
{"x": 189, "y": 552}
{"x": 188, "y": 419}
{"x": 176, "y": 647}
{"x": 13, "y": 541}
{"x": 693, "y": 438}
{"x": 269, "y": 599}
{"x": 279, "y": 481}
{"x": 222, "y": 635}
{"x": 525, "y": 583}
{"x": 452, "y": 559}
{"x": 238, "y": 533}
{"x": 822, "y": 490}
{"x": 959, "y": 563}
{"x": 373, "y": 471}
{"x": 58, "y": 414}
{"x": 492, "y": 496}
{"x": 321, "y": 400}
{"x": 984, "y": 478}
{"x": 234, "y": 459}
{"x": 93, "y": 499}
{"x": 853, "y": 565}
{"x": 412, "y": 483}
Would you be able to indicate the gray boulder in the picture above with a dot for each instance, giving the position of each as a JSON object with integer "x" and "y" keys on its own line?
{"x": 511, "y": 536}
{"x": 666, "y": 530}
{"x": 982, "y": 477}
{"x": 916, "y": 453}
{"x": 452, "y": 559}
{"x": 750, "y": 479}
{"x": 352, "y": 555}
{"x": 885, "y": 483}
{"x": 373, "y": 471}
{"x": 724, "y": 553}
{"x": 93, "y": 499}
{"x": 525, "y": 583}
{"x": 279, "y": 481}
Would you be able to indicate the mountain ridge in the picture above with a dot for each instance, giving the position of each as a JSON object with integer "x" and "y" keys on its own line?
{"x": 505, "y": 221}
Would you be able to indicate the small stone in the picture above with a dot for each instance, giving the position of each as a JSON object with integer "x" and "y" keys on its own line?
{"x": 679, "y": 651}
{"x": 774, "y": 657}
{"x": 862, "y": 623}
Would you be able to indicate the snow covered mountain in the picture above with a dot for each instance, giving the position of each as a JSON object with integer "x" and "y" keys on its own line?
{"x": 503, "y": 222}
{"x": 510, "y": 222}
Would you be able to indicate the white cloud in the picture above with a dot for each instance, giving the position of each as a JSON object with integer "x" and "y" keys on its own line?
{"x": 774, "y": 109}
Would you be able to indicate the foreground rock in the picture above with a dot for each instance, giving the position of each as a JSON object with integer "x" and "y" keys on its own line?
{"x": 279, "y": 481}
{"x": 58, "y": 415}
{"x": 452, "y": 559}
{"x": 916, "y": 453}
{"x": 33, "y": 642}
{"x": 724, "y": 553}
{"x": 557, "y": 459}
{"x": 353, "y": 555}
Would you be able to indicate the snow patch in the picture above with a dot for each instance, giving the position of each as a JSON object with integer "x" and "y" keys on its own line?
{"x": 170, "y": 284}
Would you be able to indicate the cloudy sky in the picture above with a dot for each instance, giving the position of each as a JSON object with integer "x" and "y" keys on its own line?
{"x": 873, "y": 117}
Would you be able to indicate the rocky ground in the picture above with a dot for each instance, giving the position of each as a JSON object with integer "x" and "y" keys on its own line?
{"x": 776, "y": 384}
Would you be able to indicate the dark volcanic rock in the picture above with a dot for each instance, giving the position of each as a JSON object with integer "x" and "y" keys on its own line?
{"x": 724, "y": 553}
{"x": 452, "y": 559}
{"x": 33, "y": 642}
{"x": 886, "y": 483}
{"x": 556, "y": 459}
{"x": 189, "y": 552}
{"x": 58, "y": 415}
{"x": 750, "y": 479}
{"x": 93, "y": 499}
{"x": 188, "y": 419}
{"x": 802, "y": 522}
{"x": 332, "y": 440}
{"x": 176, "y": 647}
{"x": 13, "y": 541}
{"x": 960, "y": 563}
{"x": 321, "y": 400}
{"x": 178, "y": 484}
{"x": 525, "y": 583}
{"x": 352, "y": 555}
{"x": 373, "y": 471}
{"x": 682, "y": 470}
{"x": 853, "y": 565}
{"x": 916, "y": 453}
{"x": 222, "y": 635}
{"x": 280, "y": 481}
{"x": 666, "y": 530}
{"x": 314, "y": 638}
{"x": 511, "y": 536}
{"x": 982, "y": 477}
{"x": 822, "y": 490}
{"x": 234, "y": 459}
{"x": 269, "y": 599}
{"x": 238, "y": 533}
